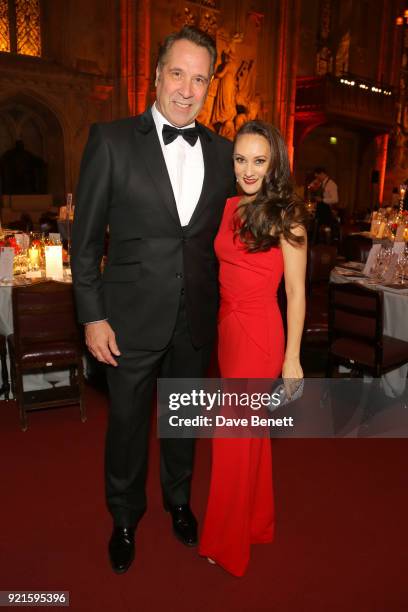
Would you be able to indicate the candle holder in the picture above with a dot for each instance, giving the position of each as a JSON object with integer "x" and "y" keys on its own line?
{"x": 402, "y": 191}
{"x": 21, "y": 263}
{"x": 36, "y": 251}
{"x": 34, "y": 258}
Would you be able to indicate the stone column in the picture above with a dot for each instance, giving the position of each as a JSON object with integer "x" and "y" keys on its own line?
{"x": 281, "y": 60}
{"x": 292, "y": 73}
{"x": 381, "y": 68}
{"x": 287, "y": 54}
{"x": 127, "y": 58}
{"x": 382, "y": 148}
{"x": 142, "y": 54}
{"x": 135, "y": 55}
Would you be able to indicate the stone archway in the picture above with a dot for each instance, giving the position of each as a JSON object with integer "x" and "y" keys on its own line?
{"x": 24, "y": 117}
{"x": 348, "y": 154}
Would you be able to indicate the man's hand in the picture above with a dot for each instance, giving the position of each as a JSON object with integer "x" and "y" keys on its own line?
{"x": 100, "y": 340}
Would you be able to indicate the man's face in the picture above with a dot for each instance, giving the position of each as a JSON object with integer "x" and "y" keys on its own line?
{"x": 182, "y": 82}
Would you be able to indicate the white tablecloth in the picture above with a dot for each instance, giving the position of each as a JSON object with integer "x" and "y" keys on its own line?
{"x": 395, "y": 325}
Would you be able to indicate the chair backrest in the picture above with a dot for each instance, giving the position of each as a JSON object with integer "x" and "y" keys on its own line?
{"x": 357, "y": 248}
{"x": 356, "y": 312}
{"x": 44, "y": 313}
{"x": 321, "y": 261}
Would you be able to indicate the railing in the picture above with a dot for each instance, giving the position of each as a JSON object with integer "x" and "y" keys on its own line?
{"x": 346, "y": 96}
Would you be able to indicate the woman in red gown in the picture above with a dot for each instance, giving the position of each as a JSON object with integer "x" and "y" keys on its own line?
{"x": 262, "y": 236}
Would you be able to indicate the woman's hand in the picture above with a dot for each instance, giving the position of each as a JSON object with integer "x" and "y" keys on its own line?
{"x": 292, "y": 373}
{"x": 291, "y": 368}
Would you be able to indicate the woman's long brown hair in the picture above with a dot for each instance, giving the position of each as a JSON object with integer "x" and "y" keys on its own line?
{"x": 276, "y": 210}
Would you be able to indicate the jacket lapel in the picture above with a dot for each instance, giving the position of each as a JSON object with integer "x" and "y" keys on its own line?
{"x": 153, "y": 157}
{"x": 210, "y": 171}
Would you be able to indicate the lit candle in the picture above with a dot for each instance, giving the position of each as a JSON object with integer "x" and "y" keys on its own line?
{"x": 34, "y": 256}
{"x": 402, "y": 190}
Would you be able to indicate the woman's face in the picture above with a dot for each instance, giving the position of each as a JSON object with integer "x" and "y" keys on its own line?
{"x": 252, "y": 160}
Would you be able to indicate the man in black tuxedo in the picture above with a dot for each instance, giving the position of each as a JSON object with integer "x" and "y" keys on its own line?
{"x": 159, "y": 181}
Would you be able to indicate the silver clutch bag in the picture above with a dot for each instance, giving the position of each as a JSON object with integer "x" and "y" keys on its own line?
{"x": 281, "y": 397}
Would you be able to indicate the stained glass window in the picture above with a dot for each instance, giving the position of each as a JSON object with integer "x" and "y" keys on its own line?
{"x": 4, "y": 26}
{"x": 28, "y": 27}
{"x": 20, "y": 30}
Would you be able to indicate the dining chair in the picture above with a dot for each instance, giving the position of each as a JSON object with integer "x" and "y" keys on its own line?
{"x": 320, "y": 262}
{"x": 46, "y": 338}
{"x": 321, "y": 259}
{"x": 356, "y": 247}
{"x": 5, "y": 387}
{"x": 356, "y": 337}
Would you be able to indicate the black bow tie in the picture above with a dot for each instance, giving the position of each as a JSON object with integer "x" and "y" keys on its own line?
{"x": 170, "y": 133}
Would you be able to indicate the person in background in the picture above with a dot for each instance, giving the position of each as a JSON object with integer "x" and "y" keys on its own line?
{"x": 327, "y": 202}
{"x": 330, "y": 195}
{"x": 312, "y": 189}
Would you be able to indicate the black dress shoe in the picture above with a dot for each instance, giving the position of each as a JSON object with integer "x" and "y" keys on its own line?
{"x": 122, "y": 549}
{"x": 184, "y": 524}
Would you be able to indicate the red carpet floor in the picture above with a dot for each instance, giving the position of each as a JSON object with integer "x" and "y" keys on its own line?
{"x": 341, "y": 543}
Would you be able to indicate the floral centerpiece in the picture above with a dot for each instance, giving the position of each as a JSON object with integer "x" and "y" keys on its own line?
{"x": 20, "y": 262}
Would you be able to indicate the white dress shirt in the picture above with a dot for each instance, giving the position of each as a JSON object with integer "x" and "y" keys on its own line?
{"x": 185, "y": 166}
{"x": 330, "y": 192}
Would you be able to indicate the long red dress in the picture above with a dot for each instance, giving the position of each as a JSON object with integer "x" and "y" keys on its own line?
{"x": 240, "y": 509}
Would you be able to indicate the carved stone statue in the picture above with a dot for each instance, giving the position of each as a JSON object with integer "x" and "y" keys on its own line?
{"x": 231, "y": 97}
{"x": 343, "y": 54}
{"x": 324, "y": 61}
{"x": 253, "y": 109}
{"x": 225, "y": 102}
{"x": 205, "y": 115}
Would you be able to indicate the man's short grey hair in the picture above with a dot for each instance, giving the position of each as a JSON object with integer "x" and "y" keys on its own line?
{"x": 194, "y": 35}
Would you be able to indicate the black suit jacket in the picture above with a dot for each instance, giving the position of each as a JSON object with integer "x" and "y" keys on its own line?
{"x": 124, "y": 184}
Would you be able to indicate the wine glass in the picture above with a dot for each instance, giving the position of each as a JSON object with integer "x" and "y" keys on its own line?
{"x": 381, "y": 263}
{"x": 401, "y": 269}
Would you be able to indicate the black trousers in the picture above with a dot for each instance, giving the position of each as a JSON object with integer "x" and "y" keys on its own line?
{"x": 324, "y": 216}
{"x": 131, "y": 387}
